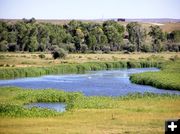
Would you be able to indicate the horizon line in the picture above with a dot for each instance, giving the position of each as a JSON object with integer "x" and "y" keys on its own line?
{"x": 86, "y": 19}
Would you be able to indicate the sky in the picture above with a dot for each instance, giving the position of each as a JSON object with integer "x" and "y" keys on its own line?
{"x": 89, "y": 9}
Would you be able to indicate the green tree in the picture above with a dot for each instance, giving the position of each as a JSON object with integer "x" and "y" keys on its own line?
{"x": 136, "y": 34}
{"x": 114, "y": 33}
{"x": 33, "y": 44}
{"x": 12, "y": 37}
{"x": 22, "y": 35}
{"x": 72, "y": 26}
{"x": 84, "y": 48}
{"x": 57, "y": 34}
{"x": 176, "y": 36}
{"x": 97, "y": 32}
{"x": 157, "y": 37}
{"x": 91, "y": 42}
{"x": 79, "y": 33}
{"x": 77, "y": 43}
{"x": 68, "y": 38}
{"x": 3, "y": 46}
{"x": 42, "y": 37}
{"x": 3, "y": 31}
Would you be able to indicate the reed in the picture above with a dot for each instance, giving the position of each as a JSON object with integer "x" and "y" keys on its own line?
{"x": 167, "y": 78}
{"x": 11, "y": 73}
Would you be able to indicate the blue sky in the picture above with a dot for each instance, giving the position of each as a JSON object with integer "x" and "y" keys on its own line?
{"x": 89, "y": 9}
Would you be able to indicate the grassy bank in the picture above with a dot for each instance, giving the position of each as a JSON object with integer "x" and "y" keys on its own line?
{"x": 167, "y": 78}
{"x": 9, "y": 73}
{"x": 13, "y": 99}
{"x": 136, "y": 113}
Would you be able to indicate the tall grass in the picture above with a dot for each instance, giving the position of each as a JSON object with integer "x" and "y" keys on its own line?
{"x": 167, "y": 78}
{"x": 9, "y": 73}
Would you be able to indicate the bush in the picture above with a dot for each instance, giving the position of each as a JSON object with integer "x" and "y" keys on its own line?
{"x": 106, "y": 49}
{"x": 53, "y": 47}
{"x": 146, "y": 48}
{"x": 13, "y": 47}
{"x": 42, "y": 56}
{"x": 70, "y": 48}
{"x": 59, "y": 53}
{"x": 84, "y": 48}
{"x": 129, "y": 47}
{"x": 173, "y": 47}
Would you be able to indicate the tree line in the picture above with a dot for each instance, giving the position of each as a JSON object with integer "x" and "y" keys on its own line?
{"x": 78, "y": 36}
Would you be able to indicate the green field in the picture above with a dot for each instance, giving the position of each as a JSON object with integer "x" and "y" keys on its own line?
{"x": 137, "y": 113}
{"x": 167, "y": 78}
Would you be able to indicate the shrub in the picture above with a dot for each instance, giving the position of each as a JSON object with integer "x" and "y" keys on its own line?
{"x": 146, "y": 48}
{"x": 70, "y": 48}
{"x": 129, "y": 47}
{"x": 106, "y": 49}
{"x": 7, "y": 65}
{"x": 59, "y": 53}
{"x": 42, "y": 56}
{"x": 13, "y": 47}
{"x": 84, "y": 48}
{"x": 173, "y": 47}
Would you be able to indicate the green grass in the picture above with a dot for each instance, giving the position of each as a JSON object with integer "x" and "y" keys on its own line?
{"x": 134, "y": 113}
{"x": 9, "y": 73}
{"x": 13, "y": 98}
{"x": 167, "y": 78}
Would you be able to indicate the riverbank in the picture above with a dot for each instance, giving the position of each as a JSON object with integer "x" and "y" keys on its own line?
{"x": 11, "y": 73}
{"x": 134, "y": 113}
{"x": 167, "y": 78}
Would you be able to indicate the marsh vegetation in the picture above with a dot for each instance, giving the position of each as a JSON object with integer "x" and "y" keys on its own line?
{"x": 122, "y": 114}
{"x": 167, "y": 78}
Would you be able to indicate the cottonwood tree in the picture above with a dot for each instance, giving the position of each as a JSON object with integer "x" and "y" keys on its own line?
{"x": 157, "y": 37}
{"x": 91, "y": 42}
{"x": 136, "y": 34}
{"x": 114, "y": 33}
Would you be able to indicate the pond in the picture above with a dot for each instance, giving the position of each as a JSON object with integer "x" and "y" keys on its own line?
{"x": 93, "y": 83}
{"x": 59, "y": 107}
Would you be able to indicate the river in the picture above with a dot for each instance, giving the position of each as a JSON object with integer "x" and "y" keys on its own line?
{"x": 93, "y": 83}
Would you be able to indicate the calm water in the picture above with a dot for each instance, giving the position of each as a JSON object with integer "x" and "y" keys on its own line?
{"x": 99, "y": 83}
{"x": 60, "y": 107}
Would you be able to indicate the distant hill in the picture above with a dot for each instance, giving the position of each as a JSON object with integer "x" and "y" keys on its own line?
{"x": 155, "y": 20}
{"x": 145, "y": 20}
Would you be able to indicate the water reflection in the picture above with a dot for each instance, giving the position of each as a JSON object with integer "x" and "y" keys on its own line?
{"x": 59, "y": 107}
